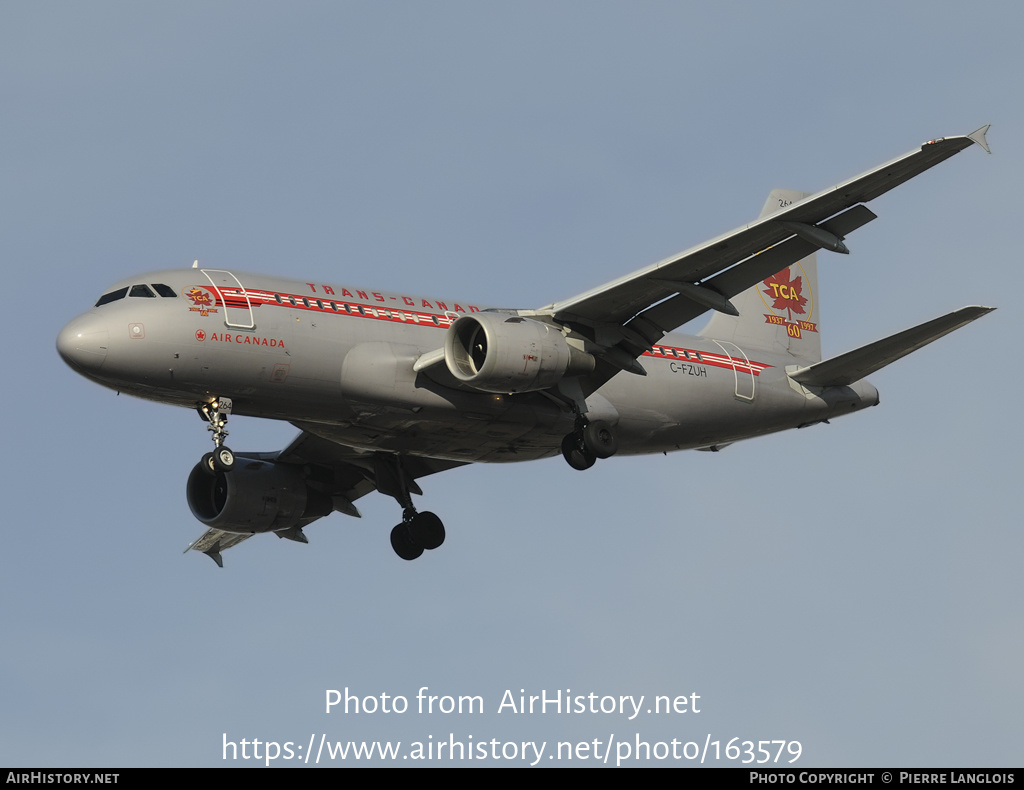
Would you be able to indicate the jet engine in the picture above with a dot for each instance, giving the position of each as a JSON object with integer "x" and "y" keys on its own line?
{"x": 256, "y": 496}
{"x": 497, "y": 352}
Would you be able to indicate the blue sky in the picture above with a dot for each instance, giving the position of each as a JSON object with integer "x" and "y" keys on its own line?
{"x": 855, "y": 587}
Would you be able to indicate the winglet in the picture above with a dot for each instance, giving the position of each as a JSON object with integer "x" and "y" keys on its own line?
{"x": 214, "y": 555}
{"x": 978, "y": 136}
{"x": 213, "y": 542}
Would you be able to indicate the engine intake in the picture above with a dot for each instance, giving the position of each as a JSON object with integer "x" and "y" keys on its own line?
{"x": 257, "y": 496}
{"x": 495, "y": 352}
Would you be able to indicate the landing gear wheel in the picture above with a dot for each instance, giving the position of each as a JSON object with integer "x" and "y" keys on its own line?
{"x": 403, "y": 544}
{"x": 599, "y": 439}
{"x": 577, "y": 456}
{"x": 426, "y": 530}
{"x": 216, "y": 413}
{"x": 223, "y": 459}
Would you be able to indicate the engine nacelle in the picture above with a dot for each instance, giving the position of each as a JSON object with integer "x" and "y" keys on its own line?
{"x": 496, "y": 352}
{"x": 256, "y": 496}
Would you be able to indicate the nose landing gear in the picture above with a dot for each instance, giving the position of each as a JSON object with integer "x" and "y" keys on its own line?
{"x": 216, "y": 414}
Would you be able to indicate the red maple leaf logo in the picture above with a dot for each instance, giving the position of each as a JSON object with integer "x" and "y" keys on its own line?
{"x": 785, "y": 293}
{"x": 199, "y": 297}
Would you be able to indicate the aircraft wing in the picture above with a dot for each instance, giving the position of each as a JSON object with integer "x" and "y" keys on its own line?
{"x": 214, "y": 541}
{"x": 342, "y": 473}
{"x": 356, "y": 473}
{"x": 627, "y": 316}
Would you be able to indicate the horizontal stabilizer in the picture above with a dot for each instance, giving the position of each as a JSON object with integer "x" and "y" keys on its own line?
{"x": 855, "y": 365}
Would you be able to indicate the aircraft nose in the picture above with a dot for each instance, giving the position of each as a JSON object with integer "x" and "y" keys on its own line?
{"x": 83, "y": 343}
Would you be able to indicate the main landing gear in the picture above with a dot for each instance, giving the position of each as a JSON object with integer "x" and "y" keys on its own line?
{"x": 216, "y": 414}
{"x": 588, "y": 442}
{"x": 418, "y": 532}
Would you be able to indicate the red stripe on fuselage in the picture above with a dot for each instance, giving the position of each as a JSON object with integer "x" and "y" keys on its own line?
{"x": 237, "y": 298}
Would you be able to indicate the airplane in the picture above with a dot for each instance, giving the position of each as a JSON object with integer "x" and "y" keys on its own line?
{"x": 387, "y": 388}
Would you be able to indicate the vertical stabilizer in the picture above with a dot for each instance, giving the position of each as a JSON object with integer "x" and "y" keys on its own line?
{"x": 781, "y": 313}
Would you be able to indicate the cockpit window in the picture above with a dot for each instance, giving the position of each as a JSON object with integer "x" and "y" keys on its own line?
{"x": 113, "y": 296}
{"x": 142, "y": 290}
{"x": 164, "y": 290}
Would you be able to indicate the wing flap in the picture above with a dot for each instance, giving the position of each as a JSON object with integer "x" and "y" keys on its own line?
{"x": 862, "y": 362}
{"x": 679, "y": 309}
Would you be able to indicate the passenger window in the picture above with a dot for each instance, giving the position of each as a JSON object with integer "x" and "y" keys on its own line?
{"x": 113, "y": 296}
{"x": 142, "y": 290}
{"x": 164, "y": 290}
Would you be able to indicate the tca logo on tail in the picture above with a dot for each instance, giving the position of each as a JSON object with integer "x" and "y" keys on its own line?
{"x": 785, "y": 293}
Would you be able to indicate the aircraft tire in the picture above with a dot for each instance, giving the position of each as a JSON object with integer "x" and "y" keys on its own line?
{"x": 223, "y": 459}
{"x": 426, "y": 530}
{"x": 207, "y": 465}
{"x": 578, "y": 457}
{"x": 600, "y": 440}
{"x": 403, "y": 544}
